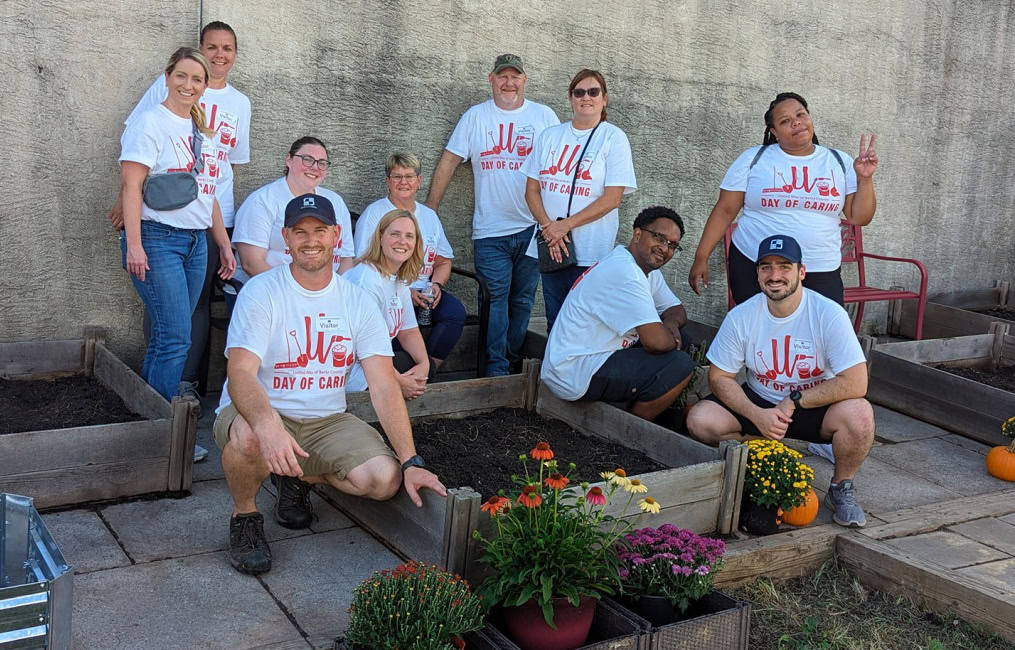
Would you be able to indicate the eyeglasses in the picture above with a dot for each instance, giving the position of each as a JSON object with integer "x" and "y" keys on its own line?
{"x": 660, "y": 239}
{"x": 310, "y": 161}
{"x": 403, "y": 177}
{"x": 578, "y": 93}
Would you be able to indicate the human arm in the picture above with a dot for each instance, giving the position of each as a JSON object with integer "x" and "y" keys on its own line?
{"x": 132, "y": 176}
{"x": 116, "y": 213}
{"x": 851, "y": 383}
{"x": 413, "y": 381}
{"x": 253, "y": 258}
{"x": 345, "y": 263}
{"x": 278, "y": 448}
{"x": 534, "y": 199}
{"x": 656, "y": 338}
{"x": 771, "y": 422}
{"x": 673, "y": 319}
{"x": 859, "y": 207}
{"x": 442, "y": 174}
{"x": 227, "y": 263}
{"x": 386, "y": 398}
{"x": 555, "y": 231}
{"x": 722, "y": 215}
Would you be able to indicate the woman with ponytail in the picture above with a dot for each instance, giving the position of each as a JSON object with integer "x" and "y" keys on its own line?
{"x": 164, "y": 251}
{"x": 600, "y": 176}
{"x": 790, "y": 185}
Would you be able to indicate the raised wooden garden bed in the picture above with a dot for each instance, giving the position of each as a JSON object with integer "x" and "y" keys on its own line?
{"x": 76, "y": 464}
{"x": 902, "y": 377}
{"x": 701, "y": 491}
{"x": 955, "y": 313}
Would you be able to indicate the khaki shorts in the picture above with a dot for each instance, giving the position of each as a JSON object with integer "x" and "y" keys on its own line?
{"x": 336, "y": 443}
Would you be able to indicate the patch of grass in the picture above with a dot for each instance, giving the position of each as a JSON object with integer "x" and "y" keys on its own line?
{"x": 833, "y": 611}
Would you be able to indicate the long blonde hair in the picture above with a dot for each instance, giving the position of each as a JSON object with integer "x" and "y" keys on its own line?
{"x": 196, "y": 112}
{"x": 373, "y": 255}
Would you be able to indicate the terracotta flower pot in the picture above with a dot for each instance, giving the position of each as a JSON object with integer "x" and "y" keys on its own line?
{"x": 758, "y": 520}
{"x": 527, "y": 627}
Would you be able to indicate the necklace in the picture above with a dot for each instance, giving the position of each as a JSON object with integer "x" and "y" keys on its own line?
{"x": 576, "y": 132}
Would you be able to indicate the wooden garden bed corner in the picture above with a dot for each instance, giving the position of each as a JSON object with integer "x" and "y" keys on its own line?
{"x": 105, "y": 461}
{"x": 954, "y": 313}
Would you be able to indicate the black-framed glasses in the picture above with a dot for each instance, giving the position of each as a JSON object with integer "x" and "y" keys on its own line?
{"x": 578, "y": 93}
{"x": 661, "y": 240}
{"x": 310, "y": 161}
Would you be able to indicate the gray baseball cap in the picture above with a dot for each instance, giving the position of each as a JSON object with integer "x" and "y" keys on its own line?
{"x": 508, "y": 61}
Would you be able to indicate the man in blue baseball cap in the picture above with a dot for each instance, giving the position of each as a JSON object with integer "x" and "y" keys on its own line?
{"x": 806, "y": 374}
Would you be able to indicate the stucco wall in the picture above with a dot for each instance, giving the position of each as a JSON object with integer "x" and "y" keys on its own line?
{"x": 688, "y": 82}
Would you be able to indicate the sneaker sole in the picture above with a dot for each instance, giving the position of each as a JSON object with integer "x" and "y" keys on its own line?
{"x": 845, "y": 524}
{"x": 246, "y": 571}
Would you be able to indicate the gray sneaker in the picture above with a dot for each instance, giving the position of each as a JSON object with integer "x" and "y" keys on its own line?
{"x": 189, "y": 389}
{"x": 822, "y": 450}
{"x": 842, "y": 501}
{"x": 200, "y": 453}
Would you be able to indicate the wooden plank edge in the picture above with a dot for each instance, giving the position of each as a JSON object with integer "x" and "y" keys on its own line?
{"x": 191, "y": 414}
{"x": 146, "y": 401}
{"x": 735, "y": 458}
{"x": 886, "y": 568}
{"x": 41, "y": 358}
{"x": 66, "y": 486}
{"x": 789, "y": 554}
{"x": 927, "y": 518}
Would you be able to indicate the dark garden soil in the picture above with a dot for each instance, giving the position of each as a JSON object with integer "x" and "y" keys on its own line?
{"x": 40, "y": 404}
{"x": 1000, "y": 312}
{"x": 481, "y": 451}
{"x": 1003, "y": 378}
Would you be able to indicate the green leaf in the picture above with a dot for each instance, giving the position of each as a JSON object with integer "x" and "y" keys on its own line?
{"x": 547, "y": 582}
{"x": 548, "y": 614}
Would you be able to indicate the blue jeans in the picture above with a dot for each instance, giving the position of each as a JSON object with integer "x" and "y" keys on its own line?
{"x": 511, "y": 277}
{"x": 446, "y": 325}
{"x": 555, "y": 289}
{"x": 177, "y": 263}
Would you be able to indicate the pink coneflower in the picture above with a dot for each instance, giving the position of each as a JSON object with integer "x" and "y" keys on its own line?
{"x": 595, "y": 496}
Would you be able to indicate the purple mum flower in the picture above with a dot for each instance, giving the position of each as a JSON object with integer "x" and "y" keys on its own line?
{"x": 703, "y": 570}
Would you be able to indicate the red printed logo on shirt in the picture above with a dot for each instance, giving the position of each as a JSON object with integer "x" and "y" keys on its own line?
{"x": 310, "y": 363}
{"x": 801, "y": 190}
{"x": 798, "y": 364}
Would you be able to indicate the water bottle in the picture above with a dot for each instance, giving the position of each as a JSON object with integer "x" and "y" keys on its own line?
{"x": 426, "y": 313}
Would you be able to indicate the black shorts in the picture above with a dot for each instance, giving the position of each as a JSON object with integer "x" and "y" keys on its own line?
{"x": 636, "y": 375}
{"x": 744, "y": 279}
{"x": 806, "y": 424}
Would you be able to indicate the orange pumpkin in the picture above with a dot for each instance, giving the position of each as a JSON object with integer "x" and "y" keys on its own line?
{"x": 1001, "y": 462}
{"x": 805, "y": 513}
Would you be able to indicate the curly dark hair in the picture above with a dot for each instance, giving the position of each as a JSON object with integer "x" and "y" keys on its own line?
{"x": 648, "y": 215}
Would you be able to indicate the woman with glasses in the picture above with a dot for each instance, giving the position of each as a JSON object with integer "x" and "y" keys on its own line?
{"x": 792, "y": 185}
{"x": 592, "y": 156}
{"x": 164, "y": 250}
{"x": 257, "y": 234}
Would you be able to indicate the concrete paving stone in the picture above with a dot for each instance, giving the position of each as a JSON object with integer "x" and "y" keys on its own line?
{"x": 967, "y": 443}
{"x": 1000, "y": 574}
{"x": 947, "y": 549}
{"x": 897, "y": 427}
{"x": 990, "y": 531}
{"x": 326, "y": 516}
{"x": 184, "y": 603}
{"x": 1008, "y": 519}
{"x": 882, "y": 487}
{"x": 86, "y": 543}
{"x": 943, "y": 463}
{"x": 314, "y": 576}
{"x": 154, "y": 530}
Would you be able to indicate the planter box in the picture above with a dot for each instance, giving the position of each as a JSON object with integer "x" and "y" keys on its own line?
{"x": 35, "y": 581}
{"x": 725, "y": 625}
{"x": 701, "y": 491}
{"x": 613, "y": 628}
{"x": 901, "y": 380}
{"x": 72, "y": 465}
{"x": 950, "y": 314}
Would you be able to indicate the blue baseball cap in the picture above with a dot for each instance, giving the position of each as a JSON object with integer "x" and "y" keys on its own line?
{"x": 309, "y": 205}
{"x": 782, "y": 245}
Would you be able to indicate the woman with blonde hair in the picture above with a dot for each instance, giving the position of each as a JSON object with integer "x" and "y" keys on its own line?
{"x": 392, "y": 260}
{"x": 163, "y": 242}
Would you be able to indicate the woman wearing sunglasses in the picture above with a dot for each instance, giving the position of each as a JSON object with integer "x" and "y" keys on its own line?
{"x": 592, "y": 156}
{"x": 257, "y": 234}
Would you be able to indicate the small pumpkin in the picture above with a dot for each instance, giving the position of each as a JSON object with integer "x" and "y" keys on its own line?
{"x": 804, "y": 513}
{"x": 1001, "y": 462}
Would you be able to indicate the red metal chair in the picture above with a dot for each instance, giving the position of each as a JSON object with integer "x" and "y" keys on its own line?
{"x": 852, "y": 252}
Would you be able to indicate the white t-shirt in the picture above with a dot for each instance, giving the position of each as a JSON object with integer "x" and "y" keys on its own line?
{"x": 392, "y": 299}
{"x": 430, "y": 229}
{"x": 497, "y": 142}
{"x": 161, "y": 140}
{"x": 599, "y": 317}
{"x": 810, "y": 346}
{"x": 607, "y": 163}
{"x": 307, "y": 341}
{"x": 260, "y": 220}
{"x": 799, "y": 196}
{"x": 228, "y": 113}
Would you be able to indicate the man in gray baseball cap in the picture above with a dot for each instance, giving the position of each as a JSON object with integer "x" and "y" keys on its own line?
{"x": 496, "y": 136}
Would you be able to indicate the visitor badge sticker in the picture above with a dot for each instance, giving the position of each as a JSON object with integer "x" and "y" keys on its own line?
{"x": 328, "y": 323}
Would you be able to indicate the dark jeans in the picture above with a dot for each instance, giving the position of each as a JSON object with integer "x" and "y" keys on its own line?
{"x": 447, "y": 323}
{"x": 744, "y": 279}
{"x": 555, "y": 289}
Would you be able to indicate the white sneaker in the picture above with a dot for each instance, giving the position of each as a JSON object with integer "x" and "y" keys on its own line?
{"x": 823, "y": 450}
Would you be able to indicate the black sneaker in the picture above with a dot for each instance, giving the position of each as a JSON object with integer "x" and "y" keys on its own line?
{"x": 248, "y": 548}
{"x": 292, "y": 502}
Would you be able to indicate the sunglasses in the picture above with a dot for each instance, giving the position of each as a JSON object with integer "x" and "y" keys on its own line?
{"x": 578, "y": 93}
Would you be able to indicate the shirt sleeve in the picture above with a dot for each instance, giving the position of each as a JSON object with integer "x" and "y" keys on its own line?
{"x": 628, "y": 307}
{"x": 240, "y": 154}
{"x": 156, "y": 94}
{"x": 847, "y": 162}
{"x": 252, "y": 224}
{"x": 662, "y": 296}
{"x": 443, "y": 245}
{"x": 139, "y": 143}
{"x": 735, "y": 179}
{"x": 839, "y": 340}
{"x": 727, "y": 350}
{"x": 346, "y": 246}
{"x": 532, "y": 162}
{"x": 408, "y": 314}
{"x": 459, "y": 142}
{"x": 250, "y": 323}
{"x": 365, "y": 226}
{"x": 619, "y": 165}
{"x": 372, "y": 333}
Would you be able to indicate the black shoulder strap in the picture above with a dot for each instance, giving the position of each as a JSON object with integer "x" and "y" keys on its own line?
{"x": 838, "y": 159}
{"x": 195, "y": 148}
{"x": 578, "y": 167}
{"x": 757, "y": 156}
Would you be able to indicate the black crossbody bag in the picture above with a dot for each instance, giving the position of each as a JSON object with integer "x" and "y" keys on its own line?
{"x": 546, "y": 262}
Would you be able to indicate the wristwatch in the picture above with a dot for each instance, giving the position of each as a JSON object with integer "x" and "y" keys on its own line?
{"x": 795, "y": 396}
{"x": 415, "y": 461}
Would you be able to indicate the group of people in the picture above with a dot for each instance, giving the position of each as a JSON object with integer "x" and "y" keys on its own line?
{"x": 324, "y": 306}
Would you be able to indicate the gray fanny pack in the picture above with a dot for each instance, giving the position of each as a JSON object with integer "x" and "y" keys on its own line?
{"x": 174, "y": 190}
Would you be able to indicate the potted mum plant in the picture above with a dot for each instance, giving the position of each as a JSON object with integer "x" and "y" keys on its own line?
{"x": 775, "y": 481}
{"x": 1001, "y": 459}
{"x": 412, "y": 607}
{"x": 665, "y": 570}
{"x": 552, "y": 557}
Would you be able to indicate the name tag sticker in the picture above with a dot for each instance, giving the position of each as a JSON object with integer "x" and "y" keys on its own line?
{"x": 328, "y": 323}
